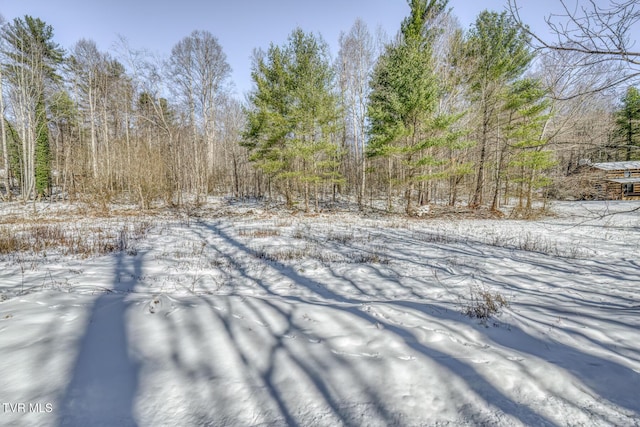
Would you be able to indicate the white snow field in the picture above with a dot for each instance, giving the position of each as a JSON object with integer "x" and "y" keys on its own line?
{"x": 245, "y": 317}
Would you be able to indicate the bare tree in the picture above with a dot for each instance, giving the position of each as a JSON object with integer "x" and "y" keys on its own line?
{"x": 86, "y": 62}
{"x": 599, "y": 34}
{"x": 238, "y": 174}
{"x": 5, "y": 151}
{"x": 356, "y": 59}
{"x": 198, "y": 67}
{"x": 3, "y": 136}
{"x": 588, "y": 55}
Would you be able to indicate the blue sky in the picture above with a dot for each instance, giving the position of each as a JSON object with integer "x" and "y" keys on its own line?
{"x": 239, "y": 25}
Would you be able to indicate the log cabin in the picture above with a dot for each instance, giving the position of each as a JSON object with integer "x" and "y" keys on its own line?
{"x": 618, "y": 180}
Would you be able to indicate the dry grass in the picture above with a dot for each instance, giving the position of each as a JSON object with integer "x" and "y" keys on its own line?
{"x": 70, "y": 239}
{"x": 10, "y": 243}
{"x": 280, "y": 255}
{"x": 369, "y": 258}
{"x": 258, "y": 233}
{"x": 342, "y": 238}
{"x": 326, "y": 257}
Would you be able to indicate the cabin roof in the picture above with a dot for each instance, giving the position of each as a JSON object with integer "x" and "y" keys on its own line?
{"x": 613, "y": 166}
{"x": 625, "y": 180}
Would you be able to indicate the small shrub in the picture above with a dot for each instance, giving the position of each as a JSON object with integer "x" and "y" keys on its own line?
{"x": 298, "y": 233}
{"x": 485, "y": 305}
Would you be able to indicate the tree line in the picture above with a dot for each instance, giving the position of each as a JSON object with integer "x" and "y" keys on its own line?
{"x": 436, "y": 114}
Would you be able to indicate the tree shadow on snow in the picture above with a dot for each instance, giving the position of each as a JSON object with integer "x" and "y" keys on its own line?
{"x": 453, "y": 367}
{"x": 294, "y": 367}
{"x": 105, "y": 376}
{"x": 564, "y": 295}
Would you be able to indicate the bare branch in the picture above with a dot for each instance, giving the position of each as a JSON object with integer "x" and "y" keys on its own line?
{"x": 599, "y": 36}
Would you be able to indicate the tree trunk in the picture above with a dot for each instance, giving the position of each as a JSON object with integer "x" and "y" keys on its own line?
{"x": 476, "y": 202}
{"x": 317, "y": 196}
{"x": 389, "y": 202}
{"x": 94, "y": 142}
{"x": 107, "y": 148}
{"x": 306, "y": 196}
{"x": 495, "y": 203}
{"x": 236, "y": 179}
{"x": 5, "y": 151}
{"x": 408, "y": 194}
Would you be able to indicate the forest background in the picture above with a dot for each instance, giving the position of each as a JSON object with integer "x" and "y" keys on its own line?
{"x": 435, "y": 114}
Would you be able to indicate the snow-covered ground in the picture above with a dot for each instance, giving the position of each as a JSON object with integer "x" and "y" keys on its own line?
{"x": 244, "y": 317}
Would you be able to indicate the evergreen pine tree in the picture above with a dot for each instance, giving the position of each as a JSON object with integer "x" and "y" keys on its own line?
{"x": 405, "y": 122}
{"x": 628, "y": 123}
{"x": 293, "y": 116}
{"x": 498, "y": 53}
{"x": 33, "y": 59}
{"x": 529, "y": 110}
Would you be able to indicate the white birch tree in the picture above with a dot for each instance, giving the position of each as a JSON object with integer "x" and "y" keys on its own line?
{"x": 356, "y": 59}
{"x": 199, "y": 70}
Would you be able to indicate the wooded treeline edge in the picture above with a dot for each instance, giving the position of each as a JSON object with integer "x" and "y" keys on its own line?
{"x": 434, "y": 115}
